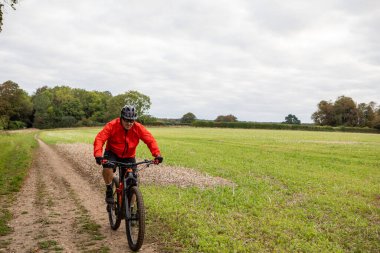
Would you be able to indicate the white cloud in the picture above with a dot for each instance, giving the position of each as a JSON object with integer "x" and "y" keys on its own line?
{"x": 259, "y": 60}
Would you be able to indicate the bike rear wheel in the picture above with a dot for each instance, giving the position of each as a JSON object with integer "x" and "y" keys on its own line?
{"x": 135, "y": 224}
{"x": 114, "y": 210}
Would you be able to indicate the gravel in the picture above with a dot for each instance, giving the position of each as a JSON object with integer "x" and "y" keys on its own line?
{"x": 81, "y": 156}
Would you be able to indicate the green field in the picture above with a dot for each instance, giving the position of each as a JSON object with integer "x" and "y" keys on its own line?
{"x": 297, "y": 191}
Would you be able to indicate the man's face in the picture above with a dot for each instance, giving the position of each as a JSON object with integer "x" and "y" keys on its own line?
{"x": 127, "y": 123}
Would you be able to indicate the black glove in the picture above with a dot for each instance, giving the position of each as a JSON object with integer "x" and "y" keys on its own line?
{"x": 99, "y": 160}
{"x": 158, "y": 159}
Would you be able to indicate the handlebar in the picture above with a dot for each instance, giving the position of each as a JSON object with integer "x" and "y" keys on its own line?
{"x": 148, "y": 162}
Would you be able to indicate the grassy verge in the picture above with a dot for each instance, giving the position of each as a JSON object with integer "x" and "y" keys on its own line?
{"x": 297, "y": 190}
{"x": 15, "y": 159}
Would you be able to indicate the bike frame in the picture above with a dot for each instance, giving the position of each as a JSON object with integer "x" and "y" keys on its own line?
{"x": 128, "y": 194}
{"x": 126, "y": 180}
{"x": 124, "y": 184}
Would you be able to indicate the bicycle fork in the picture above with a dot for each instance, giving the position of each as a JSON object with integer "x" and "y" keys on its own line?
{"x": 126, "y": 211}
{"x": 129, "y": 181}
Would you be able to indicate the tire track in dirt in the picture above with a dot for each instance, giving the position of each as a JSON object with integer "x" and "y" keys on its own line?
{"x": 55, "y": 208}
{"x": 42, "y": 217}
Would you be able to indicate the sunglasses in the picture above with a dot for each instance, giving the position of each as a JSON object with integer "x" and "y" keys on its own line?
{"x": 129, "y": 120}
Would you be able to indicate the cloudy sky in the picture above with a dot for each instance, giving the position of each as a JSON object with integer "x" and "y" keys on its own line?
{"x": 258, "y": 60}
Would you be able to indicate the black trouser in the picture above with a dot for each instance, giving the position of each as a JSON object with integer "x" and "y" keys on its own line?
{"x": 111, "y": 156}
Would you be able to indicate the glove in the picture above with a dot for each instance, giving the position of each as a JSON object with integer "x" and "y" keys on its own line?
{"x": 158, "y": 159}
{"x": 99, "y": 160}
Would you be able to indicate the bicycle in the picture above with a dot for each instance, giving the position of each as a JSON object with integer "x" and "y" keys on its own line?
{"x": 128, "y": 202}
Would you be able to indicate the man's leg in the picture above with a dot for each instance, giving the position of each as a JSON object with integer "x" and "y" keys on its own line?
{"x": 108, "y": 175}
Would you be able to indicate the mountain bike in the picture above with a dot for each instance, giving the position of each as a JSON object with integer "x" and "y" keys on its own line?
{"x": 128, "y": 202}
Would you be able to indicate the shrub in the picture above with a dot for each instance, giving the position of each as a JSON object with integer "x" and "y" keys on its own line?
{"x": 16, "y": 125}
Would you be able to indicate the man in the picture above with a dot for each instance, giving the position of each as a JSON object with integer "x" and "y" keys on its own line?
{"x": 122, "y": 136}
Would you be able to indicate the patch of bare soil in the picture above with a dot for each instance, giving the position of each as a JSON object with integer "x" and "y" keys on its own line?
{"x": 59, "y": 210}
{"x": 82, "y": 156}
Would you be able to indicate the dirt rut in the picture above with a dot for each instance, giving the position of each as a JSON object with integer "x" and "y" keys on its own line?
{"x": 59, "y": 210}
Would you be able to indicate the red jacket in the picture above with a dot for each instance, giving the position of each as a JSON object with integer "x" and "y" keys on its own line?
{"x": 122, "y": 142}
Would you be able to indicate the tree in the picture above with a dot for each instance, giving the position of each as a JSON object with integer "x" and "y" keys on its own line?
{"x": 147, "y": 119}
{"x": 366, "y": 114}
{"x": 15, "y": 104}
{"x": 114, "y": 105}
{"x": 342, "y": 112}
{"x": 96, "y": 106}
{"x": 188, "y": 118}
{"x": 43, "y": 107}
{"x": 226, "y": 118}
{"x": 93, "y": 103}
{"x": 292, "y": 119}
{"x": 11, "y": 3}
{"x": 346, "y": 112}
{"x": 140, "y": 101}
{"x": 325, "y": 114}
{"x": 66, "y": 103}
{"x": 63, "y": 106}
{"x": 57, "y": 107}
{"x": 376, "y": 121}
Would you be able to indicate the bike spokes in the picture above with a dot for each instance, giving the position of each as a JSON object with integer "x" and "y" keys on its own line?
{"x": 134, "y": 219}
{"x": 135, "y": 223}
{"x": 114, "y": 210}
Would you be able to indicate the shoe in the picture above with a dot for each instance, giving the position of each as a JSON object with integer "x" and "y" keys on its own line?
{"x": 109, "y": 196}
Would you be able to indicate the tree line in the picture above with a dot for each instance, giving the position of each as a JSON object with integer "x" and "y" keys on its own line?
{"x": 346, "y": 112}
{"x": 190, "y": 117}
{"x": 62, "y": 106}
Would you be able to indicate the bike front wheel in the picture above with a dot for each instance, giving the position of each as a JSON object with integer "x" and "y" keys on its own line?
{"x": 114, "y": 210}
{"x": 135, "y": 219}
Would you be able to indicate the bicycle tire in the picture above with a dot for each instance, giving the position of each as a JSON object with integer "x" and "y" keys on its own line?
{"x": 135, "y": 226}
{"x": 114, "y": 211}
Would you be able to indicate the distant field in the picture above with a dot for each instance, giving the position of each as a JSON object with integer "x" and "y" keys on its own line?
{"x": 297, "y": 191}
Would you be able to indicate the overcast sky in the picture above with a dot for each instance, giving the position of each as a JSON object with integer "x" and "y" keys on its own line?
{"x": 258, "y": 60}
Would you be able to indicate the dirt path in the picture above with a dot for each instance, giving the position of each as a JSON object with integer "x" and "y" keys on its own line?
{"x": 60, "y": 211}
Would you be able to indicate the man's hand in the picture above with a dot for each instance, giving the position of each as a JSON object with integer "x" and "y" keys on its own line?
{"x": 99, "y": 160}
{"x": 158, "y": 159}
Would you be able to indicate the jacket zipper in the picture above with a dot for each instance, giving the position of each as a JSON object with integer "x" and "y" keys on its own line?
{"x": 126, "y": 143}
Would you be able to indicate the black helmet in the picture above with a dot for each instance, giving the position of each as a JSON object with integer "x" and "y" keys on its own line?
{"x": 128, "y": 112}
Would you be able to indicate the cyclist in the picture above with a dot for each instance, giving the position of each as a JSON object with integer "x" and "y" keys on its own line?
{"x": 122, "y": 136}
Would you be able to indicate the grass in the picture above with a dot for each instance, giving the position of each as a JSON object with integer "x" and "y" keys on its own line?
{"x": 5, "y": 216}
{"x": 82, "y": 135}
{"x": 15, "y": 159}
{"x": 49, "y": 245}
{"x": 297, "y": 191}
